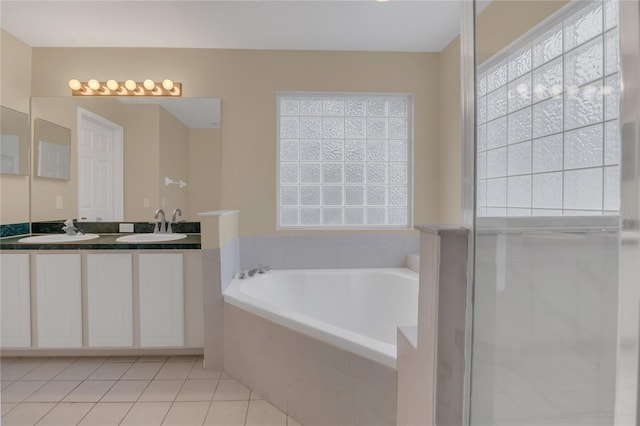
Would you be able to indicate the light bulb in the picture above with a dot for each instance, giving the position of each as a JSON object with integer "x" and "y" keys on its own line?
{"x": 130, "y": 85}
{"x": 93, "y": 84}
{"x": 75, "y": 84}
{"x": 112, "y": 85}
{"x": 167, "y": 84}
{"x": 149, "y": 84}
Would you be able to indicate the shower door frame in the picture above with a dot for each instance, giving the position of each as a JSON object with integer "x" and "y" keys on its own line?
{"x": 628, "y": 350}
{"x": 627, "y": 397}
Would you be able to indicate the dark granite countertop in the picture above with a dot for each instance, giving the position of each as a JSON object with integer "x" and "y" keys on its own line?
{"x": 104, "y": 242}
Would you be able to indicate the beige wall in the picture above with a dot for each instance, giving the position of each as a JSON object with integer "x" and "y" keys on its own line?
{"x": 450, "y": 147}
{"x": 174, "y": 163}
{"x": 247, "y": 82}
{"x": 204, "y": 172}
{"x": 15, "y": 91}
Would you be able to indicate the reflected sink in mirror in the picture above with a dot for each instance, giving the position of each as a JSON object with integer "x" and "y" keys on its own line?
{"x": 150, "y": 238}
{"x": 57, "y": 238}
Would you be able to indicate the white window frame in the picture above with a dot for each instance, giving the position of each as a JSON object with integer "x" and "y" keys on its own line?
{"x": 409, "y": 162}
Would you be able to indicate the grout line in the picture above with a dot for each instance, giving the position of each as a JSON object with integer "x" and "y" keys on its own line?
{"x": 246, "y": 414}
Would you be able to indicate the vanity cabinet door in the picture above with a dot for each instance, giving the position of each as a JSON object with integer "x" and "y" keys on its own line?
{"x": 58, "y": 300}
{"x": 15, "y": 301}
{"x": 110, "y": 299}
{"x": 161, "y": 281}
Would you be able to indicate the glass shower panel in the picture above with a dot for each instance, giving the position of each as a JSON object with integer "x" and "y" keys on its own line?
{"x": 547, "y": 213}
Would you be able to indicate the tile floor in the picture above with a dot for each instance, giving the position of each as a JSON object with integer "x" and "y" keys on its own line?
{"x": 140, "y": 391}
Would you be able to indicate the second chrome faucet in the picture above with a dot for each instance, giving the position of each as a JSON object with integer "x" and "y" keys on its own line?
{"x": 161, "y": 226}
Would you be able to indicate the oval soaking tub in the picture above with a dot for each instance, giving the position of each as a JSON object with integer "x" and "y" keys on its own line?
{"x": 357, "y": 310}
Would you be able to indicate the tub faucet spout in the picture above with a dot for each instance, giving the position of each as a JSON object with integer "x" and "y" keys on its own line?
{"x": 260, "y": 270}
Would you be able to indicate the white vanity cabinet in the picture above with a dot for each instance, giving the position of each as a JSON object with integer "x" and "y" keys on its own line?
{"x": 110, "y": 300}
{"x": 15, "y": 301}
{"x": 161, "y": 281}
{"x": 58, "y": 300}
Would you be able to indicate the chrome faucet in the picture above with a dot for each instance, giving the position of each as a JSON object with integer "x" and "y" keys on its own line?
{"x": 174, "y": 217}
{"x": 70, "y": 228}
{"x": 260, "y": 270}
{"x": 161, "y": 226}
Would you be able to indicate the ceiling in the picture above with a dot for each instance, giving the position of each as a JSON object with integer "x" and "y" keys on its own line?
{"x": 367, "y": 25}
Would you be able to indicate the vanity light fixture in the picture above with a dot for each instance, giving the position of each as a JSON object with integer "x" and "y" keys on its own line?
{"x": 125, "y": 88}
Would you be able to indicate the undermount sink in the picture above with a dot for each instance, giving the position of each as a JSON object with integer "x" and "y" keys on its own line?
{"x": 150, "y": 238}
{"x": 57, "y": 238}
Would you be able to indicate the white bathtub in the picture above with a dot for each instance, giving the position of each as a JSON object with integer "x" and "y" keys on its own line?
{"x": 357, "y": 310}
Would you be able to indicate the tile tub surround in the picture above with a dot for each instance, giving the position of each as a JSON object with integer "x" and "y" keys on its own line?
{"x": 329, "y": 251}
{"x": 313, "y": 382}
{"x": 220, "y": 263}
{"x": 546, "y": 312}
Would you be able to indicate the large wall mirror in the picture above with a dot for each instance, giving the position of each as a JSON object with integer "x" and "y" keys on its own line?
{"x": 14, "y": 142}
{"x": 121, "y": 152}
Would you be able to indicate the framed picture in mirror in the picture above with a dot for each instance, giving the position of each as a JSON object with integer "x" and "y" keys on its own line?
{"x": 53, "y": 150}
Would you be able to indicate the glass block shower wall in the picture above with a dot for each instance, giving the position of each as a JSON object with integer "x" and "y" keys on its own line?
{"x": 344, "y": 160}
{"x": 548, "y": 139}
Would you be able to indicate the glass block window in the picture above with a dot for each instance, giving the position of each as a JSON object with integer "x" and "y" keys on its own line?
{"x": 344, "y": 160}
{"x": 548, "y": 140}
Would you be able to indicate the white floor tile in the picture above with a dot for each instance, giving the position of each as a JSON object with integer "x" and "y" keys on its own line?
{"x": 231, "y": 390}
{"x": 110, "y": 371}
{"x": 125, "y": 391}
{"x": 261, "y": 413}
{"x": 142, "y": 371}
{"x": 27, "y": 414}
{"x": 198, "y": 372}
{"x": 66, "y": 413}
{"x": 19, "y": 391}
{"x": 106, "y": 414}
{"x": 292, "y": 422}
{"x": 53, "y": 391}
{"x": 79, "y": 370}
{"x": 186, "y": 414}
{"x": 46, "y": 371}
{"x": 89, "y": 391}
{"x": 8, "y": 406}
{"x": 161, "y": 390}
{"x": 175, "y": 370}
{"x": 133, "y": 399}
{"x": 227, "y": 413}
{"x": 197, "y": 390}
{"x": 6, "y": 361}
{"x": 17, "y": 369}
{"x": 146, "y": 414}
